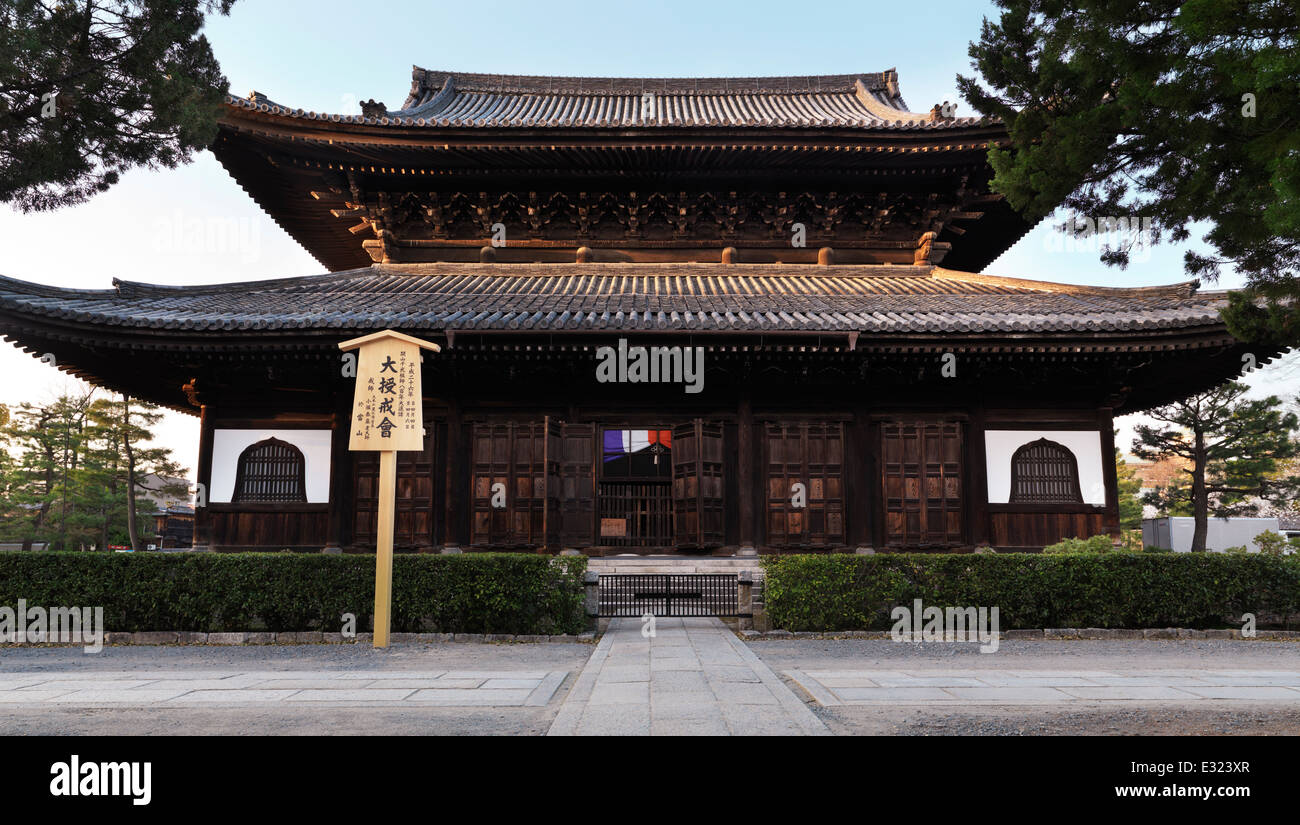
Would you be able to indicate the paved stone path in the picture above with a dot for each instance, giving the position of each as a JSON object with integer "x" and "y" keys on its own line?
{"x": 440, "y": 688}
{"x": 693, "y": 677}
{"x": 915, "y": 686}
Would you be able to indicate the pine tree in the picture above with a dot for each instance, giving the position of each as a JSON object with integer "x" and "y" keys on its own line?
{"x": 72, "y": 472}
{"x": 49, "y": 440}
{"x": 1234, "y": 447}
{"x": 121, "y": 433}
{"x": 1180, "y": 112}
{"x": 91, "y": 89}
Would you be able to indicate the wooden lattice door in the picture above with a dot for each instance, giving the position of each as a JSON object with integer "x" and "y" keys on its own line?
{"x": 573, "y": 500}
{"x": 810, "y": 454}
{"x": 922, "y": 468}
{"x": 413, "y": 525}
{"x": 698, "y": 510}
{"x": 508, "y": 486}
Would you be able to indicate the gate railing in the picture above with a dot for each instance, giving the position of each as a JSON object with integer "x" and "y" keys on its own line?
{"x": 673, "y": 594}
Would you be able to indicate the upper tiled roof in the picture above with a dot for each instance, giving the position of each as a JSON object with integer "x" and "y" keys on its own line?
{"x": 459, "y": 100}
{"x": 766, "y": 298}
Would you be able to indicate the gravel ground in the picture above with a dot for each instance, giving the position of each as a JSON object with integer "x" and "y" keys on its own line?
{"x": 188, "y": 721}
{"x": 1130, "y": 719}
{"x": 865, "y": 654}
{"x": 1209, "y": 719}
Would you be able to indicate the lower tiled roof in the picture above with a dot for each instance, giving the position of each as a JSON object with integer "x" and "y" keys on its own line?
{"x": 775, "y": 298}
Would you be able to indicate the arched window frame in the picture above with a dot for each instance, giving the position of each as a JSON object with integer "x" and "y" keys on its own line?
{"x": 297, "y": 476}
{"x": 1075, "y": 493}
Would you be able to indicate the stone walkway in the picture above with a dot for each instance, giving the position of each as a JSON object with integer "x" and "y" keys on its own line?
{"x": 230, "y": 687}
{"x": 693, "y": 677}
{"x": 1032, "y": 687}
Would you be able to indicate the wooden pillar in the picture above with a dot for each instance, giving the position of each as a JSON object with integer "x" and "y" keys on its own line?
{"x": 977, "y": 486}
{"x": 745, "y": 472}
{"x": 202, "y": 521}
{"x": 341, "y": 507}
{"x": 874, "y": 505}
{"x": 1106, "y": 423}
{"x": 860, "y": 481}
{"x": 456, "y": 476}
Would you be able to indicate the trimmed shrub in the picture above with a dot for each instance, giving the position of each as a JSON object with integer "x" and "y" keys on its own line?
{"x": 1272, "y": 544}
{"x": 217, "y": 592}
{"x": 1030, "y": 590}
{"x": 1095, "y": 544}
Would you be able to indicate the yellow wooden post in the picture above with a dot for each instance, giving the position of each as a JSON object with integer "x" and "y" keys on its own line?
{"x": 387, "y": 416}
{"x": 384, "y": 547}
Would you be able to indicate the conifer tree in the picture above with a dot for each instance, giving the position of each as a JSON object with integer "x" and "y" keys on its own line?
{"x": 1234, "y": 447}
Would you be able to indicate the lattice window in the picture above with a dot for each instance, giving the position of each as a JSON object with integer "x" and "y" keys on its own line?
{"x": 271, "y": 471}
{"x": 1044, "y": 472}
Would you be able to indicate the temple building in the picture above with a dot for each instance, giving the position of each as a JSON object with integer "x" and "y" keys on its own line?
{"x": 676, "y": 316}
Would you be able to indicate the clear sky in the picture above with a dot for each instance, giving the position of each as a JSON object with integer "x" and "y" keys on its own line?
{"x": 195, "y": 225}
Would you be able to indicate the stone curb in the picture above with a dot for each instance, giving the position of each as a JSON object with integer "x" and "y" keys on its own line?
{"x": 172, "y": 637}
{"x": 1048, "y": 634}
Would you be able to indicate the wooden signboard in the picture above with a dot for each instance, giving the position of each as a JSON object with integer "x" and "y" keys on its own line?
{"x": 387, "y": 416}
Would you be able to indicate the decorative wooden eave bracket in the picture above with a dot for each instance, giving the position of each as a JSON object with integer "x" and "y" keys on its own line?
{"x": 930, "y": 250}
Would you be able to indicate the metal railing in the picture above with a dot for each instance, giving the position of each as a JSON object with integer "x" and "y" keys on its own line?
{"x": 669, "y": 594}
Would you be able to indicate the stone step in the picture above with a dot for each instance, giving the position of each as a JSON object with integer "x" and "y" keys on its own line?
{"x": 674, "y": 564}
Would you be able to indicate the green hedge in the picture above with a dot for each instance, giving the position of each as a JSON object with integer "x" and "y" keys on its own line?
{"x": 1133, "y": 590}
{"x": 214, "y": 592}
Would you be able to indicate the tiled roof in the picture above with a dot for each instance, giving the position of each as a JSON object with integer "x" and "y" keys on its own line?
{"x": 458, "y": 100}
{"x": 767, "y": 298}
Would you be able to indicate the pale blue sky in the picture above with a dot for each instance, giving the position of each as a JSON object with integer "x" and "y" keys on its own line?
{"x": 195, "y": 225}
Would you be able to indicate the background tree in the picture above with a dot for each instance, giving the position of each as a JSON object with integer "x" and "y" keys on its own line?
{"x": 1234, "y": 446}
{"x": 1176, "y": 111}
{"x": 1130, "y": 488}
{"x": 7, "y": 509}
{"x": 78, "y": 471}
{"x": 48, "y": 440}
{"x": 90, "y": 89}
{"x": 121, "y": 433}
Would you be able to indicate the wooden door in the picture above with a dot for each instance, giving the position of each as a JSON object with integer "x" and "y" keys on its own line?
{"x": 413, "y": 526}
{"x": 572, "y": 522}
{"x": 921, "y": 464}
{"x": 508, "y": 484}
{"x": 811, "y": 454}
{"x": 698, "y": 507}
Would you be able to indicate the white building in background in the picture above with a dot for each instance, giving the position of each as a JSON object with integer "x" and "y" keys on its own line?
{"x": 1175, "y": 532}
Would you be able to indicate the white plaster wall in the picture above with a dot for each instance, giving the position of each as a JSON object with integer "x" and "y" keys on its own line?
{"x": 228, "y": 444}
{"x": 1000, "y": 445}
{"x": 1220, "y": 533}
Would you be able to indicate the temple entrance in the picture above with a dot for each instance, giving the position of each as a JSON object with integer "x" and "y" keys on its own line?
{"x": 634, "y": 496}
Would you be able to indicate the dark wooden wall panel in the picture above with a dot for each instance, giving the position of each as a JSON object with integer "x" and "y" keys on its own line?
{"x": 1036, "y": 530}
{"x": 270, "y": 530}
